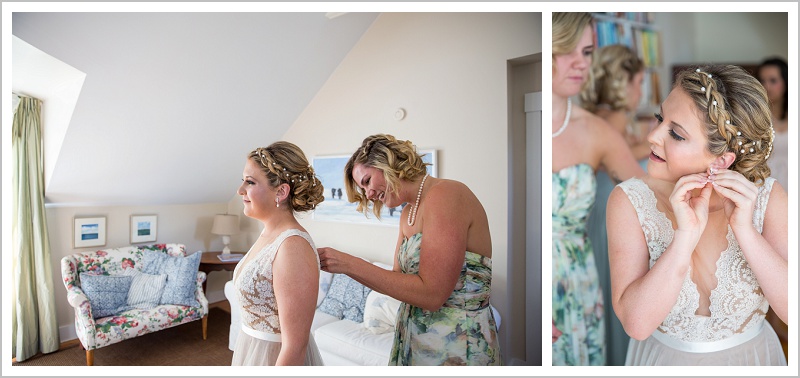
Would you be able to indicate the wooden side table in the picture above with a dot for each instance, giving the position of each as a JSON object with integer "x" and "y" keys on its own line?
{"x": 209, "y": 262}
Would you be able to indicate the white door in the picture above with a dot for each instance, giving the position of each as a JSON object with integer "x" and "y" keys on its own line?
{"x": 533, "y": 221}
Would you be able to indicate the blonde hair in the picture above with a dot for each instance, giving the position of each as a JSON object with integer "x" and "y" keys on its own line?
{"x": 737, "y": 115}
{"x": 396, "y": 159}
{"x": 567, "y": 31}
{"x": 613, "y": 67}
{"x": 284, "y": 162}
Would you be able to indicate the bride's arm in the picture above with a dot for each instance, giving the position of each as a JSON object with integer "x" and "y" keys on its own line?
{"x": 295, "y": 281}
{"x": 767, "y": 253}
{"x": 642, "y": 297}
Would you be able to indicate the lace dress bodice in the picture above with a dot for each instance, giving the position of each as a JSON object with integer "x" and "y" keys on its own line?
{"x": 253, "y": 282}
{"x": 737, "y": 304}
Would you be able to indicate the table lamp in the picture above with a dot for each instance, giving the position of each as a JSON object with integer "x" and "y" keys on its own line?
{"x": 225, "y": 225}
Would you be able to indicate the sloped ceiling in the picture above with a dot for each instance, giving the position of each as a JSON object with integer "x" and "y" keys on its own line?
{"x": 173, "y": 102}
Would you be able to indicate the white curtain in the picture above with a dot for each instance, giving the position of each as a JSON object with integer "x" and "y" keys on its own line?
{"x": 34, "y": 325}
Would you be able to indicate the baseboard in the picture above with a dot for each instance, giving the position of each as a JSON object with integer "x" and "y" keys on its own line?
{"x": 67, "y": 332}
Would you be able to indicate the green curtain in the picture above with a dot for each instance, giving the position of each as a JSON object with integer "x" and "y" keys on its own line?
{"x": 34, "y": 325}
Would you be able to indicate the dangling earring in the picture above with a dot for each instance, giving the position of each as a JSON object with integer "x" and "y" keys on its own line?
{"x": 277, "y": 203}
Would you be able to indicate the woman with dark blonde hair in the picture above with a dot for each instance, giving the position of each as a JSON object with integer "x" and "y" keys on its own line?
{"x": 693, "y": 286}
{"x": 582, "y": 144}
{"x": 442, "y": 279}
{"x": 277, "y": 280}
{"x": 613, "y": 94}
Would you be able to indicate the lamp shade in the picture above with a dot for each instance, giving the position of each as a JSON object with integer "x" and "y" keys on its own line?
{"x": 225, "y": 224}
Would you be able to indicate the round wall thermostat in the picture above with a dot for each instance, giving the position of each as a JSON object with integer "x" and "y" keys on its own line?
{"x": 399, "y": 114}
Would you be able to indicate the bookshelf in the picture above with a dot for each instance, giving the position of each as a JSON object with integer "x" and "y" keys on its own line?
{"x": 637, "y": 31}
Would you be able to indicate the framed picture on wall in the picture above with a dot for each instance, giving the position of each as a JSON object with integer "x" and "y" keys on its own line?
{"x": 89, "y": 232}
{"x": 335, "y": 208}
{"x": 144, "y": 228}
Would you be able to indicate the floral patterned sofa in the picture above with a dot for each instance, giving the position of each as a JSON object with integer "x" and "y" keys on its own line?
{"x": 97, "y": 333}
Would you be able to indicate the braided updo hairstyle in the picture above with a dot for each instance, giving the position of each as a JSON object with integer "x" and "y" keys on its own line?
{"x": 284, "y": 162}
{"x": 397, "y": 159}
{"x": 613, "y": 67}
{"x": 735, "y": 109}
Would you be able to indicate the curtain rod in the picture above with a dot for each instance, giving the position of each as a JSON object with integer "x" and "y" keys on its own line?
{"x": 23, "y": 95}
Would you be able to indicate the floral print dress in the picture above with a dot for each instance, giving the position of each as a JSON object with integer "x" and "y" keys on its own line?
{"x": 577, "y": 296}
{"x": 462, "y": 331}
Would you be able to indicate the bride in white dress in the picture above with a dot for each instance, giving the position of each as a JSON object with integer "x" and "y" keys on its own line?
{"x": 281, "y": 270}
{"x": 693, "y": 287}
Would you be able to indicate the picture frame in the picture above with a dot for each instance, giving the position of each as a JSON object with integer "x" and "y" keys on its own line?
{"x": 144, "y": 228}
{"x": 330, "y": 171}
{"x": 88, "y": 232}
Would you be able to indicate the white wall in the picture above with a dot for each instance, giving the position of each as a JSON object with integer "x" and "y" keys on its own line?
{"x": 719, "y": 37}
{"x": 740, "y": 37}
{"x": 186, "y": 224}
{"x": 449, "y": 71}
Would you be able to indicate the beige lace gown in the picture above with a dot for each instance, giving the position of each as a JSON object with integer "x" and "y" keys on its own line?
{"x": 259, "y": 340}
{"x": 735, "y": 333}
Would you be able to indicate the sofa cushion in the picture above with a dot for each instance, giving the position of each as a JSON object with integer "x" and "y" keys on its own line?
{"x": 321, "y": 319}
{"x": 380, "y": 313}
{"x": 345, "y": 298}
{"x": 181, "y": 276}
{"x": 146, "y": 289}
{"x": 325, "y": 279}
{"x": 108, "y": 294}
{"x": 351, "y": 341}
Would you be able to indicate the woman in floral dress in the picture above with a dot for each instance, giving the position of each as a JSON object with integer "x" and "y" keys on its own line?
{"x": 582, "y": 142}
{"x": 442, "y": 279}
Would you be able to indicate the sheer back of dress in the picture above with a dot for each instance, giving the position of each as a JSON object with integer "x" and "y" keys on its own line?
{"x": 736, "y": 304}
{"x": 253, "y": 281}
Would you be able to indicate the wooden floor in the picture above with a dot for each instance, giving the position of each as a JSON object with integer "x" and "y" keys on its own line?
{"x": 224, "y": 305}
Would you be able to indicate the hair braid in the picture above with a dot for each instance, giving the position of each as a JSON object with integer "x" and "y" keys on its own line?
{"x": 737, "y": 115}
{"x": 284, "y": 162}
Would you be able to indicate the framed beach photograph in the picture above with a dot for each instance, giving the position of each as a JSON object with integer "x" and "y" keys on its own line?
{"x": 144, "y": 228}
{"x": 89, "y": 232}
{"x": 335, "y": 208}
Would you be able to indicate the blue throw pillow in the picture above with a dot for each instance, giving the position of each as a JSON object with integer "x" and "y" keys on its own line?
{"x": 346, "y": 298}
{"x": 146, "y": 289}
{"x": 181, "y": 276}
{"x": 108, "y": 295}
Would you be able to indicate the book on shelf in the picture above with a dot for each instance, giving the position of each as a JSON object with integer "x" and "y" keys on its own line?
{"x": 230, "y": 257}
{"x": 644, "y": 42}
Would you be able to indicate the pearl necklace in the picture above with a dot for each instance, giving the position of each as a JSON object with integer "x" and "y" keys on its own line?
{"x": 412, "y": 215}
{"x": 566, "y": 119}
